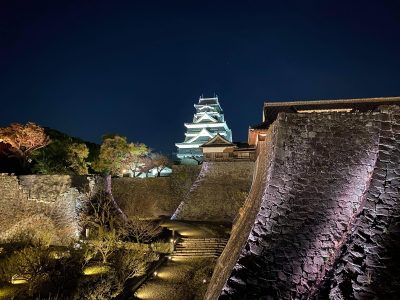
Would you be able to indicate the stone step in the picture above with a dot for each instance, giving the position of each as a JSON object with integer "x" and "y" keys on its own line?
{"x": 190, "y": 241}
{"x": 200, "y": 245}
{"x": 200, "y": 248}
{"x": 204, "y": 240}
{"x": 194, "y": 250}
{"x": 195, "y": 255}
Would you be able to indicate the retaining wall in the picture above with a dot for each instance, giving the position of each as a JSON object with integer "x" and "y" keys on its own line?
{"x": 42, "y": 205}
{"x": 327, "y": 222}
{"x": 218, "y": 192}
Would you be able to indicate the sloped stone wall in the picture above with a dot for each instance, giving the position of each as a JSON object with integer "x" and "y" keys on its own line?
{"x": 42, "y": 205}
{"x": 368, "y": 267}
{"x": 218, "y": 192}
{"x": 316, "y": 234}
{"x": 242, "y": 227}
{"x": 154, "y": 197}
{"x": 145, "y": 198}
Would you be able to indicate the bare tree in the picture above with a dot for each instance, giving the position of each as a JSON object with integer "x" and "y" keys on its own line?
{"x": 102, "y": 217}
{"x": 133, "y": 263}
{"x": 143, "y": 231}
{"x": 160, "y": 162}
{"x": 106, "y": 243}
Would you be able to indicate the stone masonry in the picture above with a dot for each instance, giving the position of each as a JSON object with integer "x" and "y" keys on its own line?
{"x": 327, "y": 224}
{"x": 218, "y": 192}
{"x": 42, "y": 205}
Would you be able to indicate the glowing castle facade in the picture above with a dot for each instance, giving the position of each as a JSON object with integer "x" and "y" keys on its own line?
{"x": 208, "y": 121}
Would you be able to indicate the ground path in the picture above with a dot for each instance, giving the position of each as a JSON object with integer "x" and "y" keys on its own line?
{"x": 184, "y": 278}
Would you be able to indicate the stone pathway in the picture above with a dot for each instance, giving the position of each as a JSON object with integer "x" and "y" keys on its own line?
{"x": 186, "y": 274}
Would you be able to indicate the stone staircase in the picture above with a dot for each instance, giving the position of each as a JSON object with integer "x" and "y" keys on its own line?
{"x": 199, "y": 247}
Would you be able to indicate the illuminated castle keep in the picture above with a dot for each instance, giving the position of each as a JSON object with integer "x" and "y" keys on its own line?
{"x": 208, "y": 121}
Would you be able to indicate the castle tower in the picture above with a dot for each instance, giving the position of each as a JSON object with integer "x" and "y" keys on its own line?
{"x": 208, "y": 121}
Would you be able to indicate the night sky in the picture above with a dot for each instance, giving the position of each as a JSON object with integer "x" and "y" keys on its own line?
{"x": 136, "y": 68}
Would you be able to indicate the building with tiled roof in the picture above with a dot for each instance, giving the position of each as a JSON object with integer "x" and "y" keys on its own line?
{"x": 208, "y": 121}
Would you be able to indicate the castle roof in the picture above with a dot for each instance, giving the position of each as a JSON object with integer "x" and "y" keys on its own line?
{"x": 218, "y": 141}
{"x": 271, "y": 109}
{"x": 208, "y": 101}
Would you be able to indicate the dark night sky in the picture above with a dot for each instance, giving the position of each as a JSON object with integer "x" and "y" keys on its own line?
{"x": 136, "y": 67}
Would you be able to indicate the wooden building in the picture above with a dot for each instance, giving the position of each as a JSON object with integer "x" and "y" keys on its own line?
{"x": 220, "y": 149}
{"x": 272, "y": 109}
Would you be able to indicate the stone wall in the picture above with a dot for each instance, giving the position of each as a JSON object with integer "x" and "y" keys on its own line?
{"x": 145, "y": 198}
{"x": 45, "y": 205}
{"x": 51, "y": 204}
{"x": 154, "y": 197}
{"x": 242, "y": 227}
{"x": 327, "y": 221}
{"x": 218, "y": 192}
{"x": 368, "y": 266}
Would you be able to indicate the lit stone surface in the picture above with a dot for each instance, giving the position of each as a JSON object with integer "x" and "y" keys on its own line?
{"x": 327, "y": 222}
{"x": 42, "y": 204}
{"x": 218, "y": 192}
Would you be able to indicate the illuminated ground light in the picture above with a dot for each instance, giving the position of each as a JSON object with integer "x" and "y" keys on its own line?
{"x": 143, "y": 294}
{"x": 96, "y": 270}
{"x": 7, "y": 292}
{"x": 166, "y": 275}
{"x": 190, "y": 233}
{"x": 16, "y": 279}
{"x": 185, "y": 259}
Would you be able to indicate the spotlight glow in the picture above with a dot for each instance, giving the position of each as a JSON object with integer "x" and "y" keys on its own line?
{"x": 96, "y": 270}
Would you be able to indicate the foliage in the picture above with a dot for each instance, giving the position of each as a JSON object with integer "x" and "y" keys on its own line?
{"x": 135, "y": 156}
{"x": 98, "y": 287}
{"x": 76, "y": 158}
{"x": 24, "y": 139}
{"x": 51, "y": 159}
{"x": 161, "y": 247}
{"x": 124, "y": 265}
{"x": 65, "y": 155}
{"x": 106, "y": 243}
{"x": 30, "y": 264}
{"x": 116, "y": 154}
{"x": 60, "y": 270}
